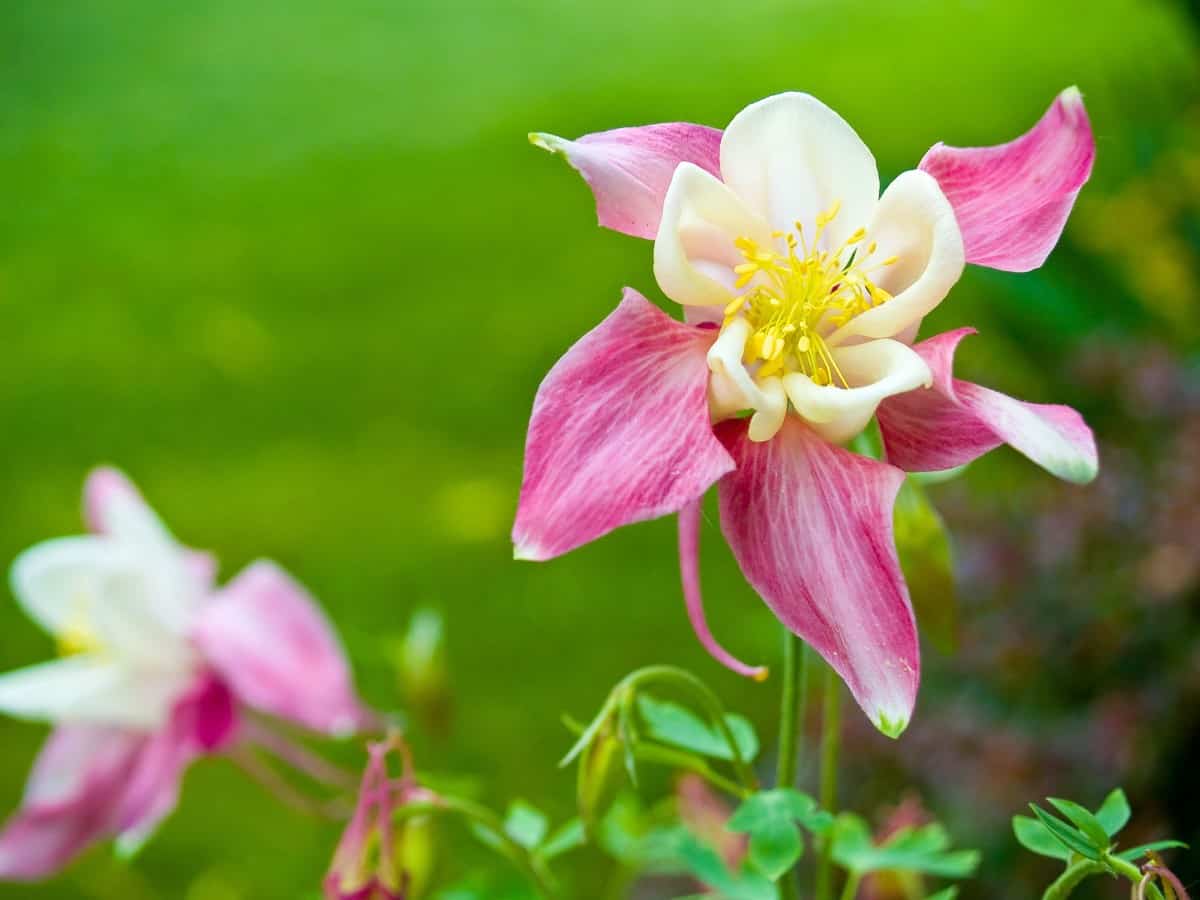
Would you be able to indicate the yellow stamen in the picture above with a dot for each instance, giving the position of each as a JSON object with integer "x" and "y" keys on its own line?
{"x": 801, "y": 294}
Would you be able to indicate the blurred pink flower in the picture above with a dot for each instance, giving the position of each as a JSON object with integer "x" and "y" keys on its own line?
{"x": 157, "y": 667}
{"x": 803, "y": 289}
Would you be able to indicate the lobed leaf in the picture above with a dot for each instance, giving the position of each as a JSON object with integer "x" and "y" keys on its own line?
{"x": 1034, "y": 836}
{"x": 1082, "y": 819}
{"x": 678, "y": 726}
{"x": 1069, "y": 837}
{"x": 1114, "y": 812}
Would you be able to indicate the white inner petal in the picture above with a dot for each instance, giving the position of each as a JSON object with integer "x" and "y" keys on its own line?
{"x": 790, "y": 156}
{"x": 914, "y": 223}
{"x": 875, "y": 370}
{"x": 694, "y": 252}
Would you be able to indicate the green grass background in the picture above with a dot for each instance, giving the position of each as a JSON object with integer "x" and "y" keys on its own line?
{"x": 294, "y": 267}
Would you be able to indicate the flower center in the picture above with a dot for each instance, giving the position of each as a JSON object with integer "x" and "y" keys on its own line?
{"x": 796, "y": 299}
{"x": 78, "y": 634}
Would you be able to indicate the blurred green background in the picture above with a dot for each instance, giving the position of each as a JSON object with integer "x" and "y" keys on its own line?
{"x": 294, "y": 267}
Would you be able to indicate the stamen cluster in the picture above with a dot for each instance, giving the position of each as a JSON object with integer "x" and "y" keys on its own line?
{"x": 798, "y": 298}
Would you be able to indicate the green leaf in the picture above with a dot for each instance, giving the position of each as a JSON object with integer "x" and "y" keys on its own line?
{"x": 525, "y": 824}
{"x": 1135, "y": 853}
{"x": 1113, "y": 813}
{"x": 569, "y": 835}
{"x": 948, "y": 894}
{"x": 1069, "y": 837}
{"x": 775, "y": 847}
{"x": 1083, "y": 819}
{"x": 770, "y": 818}
{"x": 910, "y": 850}
{"x": 680, "y": 847}
{"x": 1034, "y": 836}
{"x": 779, "y": 803}
{"x": 677, "y": 726}
{"x": 923, "y": 543}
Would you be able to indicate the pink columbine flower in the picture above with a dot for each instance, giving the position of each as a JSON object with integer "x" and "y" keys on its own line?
{"x": 803, "y": 289}
{"x": 158, "y": 668}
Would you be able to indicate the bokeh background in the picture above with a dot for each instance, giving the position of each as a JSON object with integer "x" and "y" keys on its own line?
{"x": 295, "y": 268}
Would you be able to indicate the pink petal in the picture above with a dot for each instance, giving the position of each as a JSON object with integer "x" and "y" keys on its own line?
{"x": 689, "y": 567}
{"x": 629, "y": 169}
{"x": 203, "y": 721}
{"x": 71, "y": 800}
{"x": 811, "y": 526}
{"x": 104, "y": 488}
{"x": 956, "y": 421}
{"x": 1012, "y": 200}
{"x": 620, "y": 432}
{"x": 275, "y": 649}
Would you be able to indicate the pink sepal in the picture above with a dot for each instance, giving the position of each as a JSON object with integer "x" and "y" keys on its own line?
{"x": 1012, "y": 200}
{"x": 811, "y": 527}
{"x": 620, "y": 432}
{"x": 954, "y": 422}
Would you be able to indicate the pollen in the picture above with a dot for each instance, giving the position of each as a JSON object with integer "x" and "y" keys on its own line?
{"x": 798, "y": 293}
{"x": 78, "y": 634}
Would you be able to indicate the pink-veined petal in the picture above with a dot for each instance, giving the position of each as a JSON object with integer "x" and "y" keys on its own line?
{"x": 620, "y": 432}
{"x": 811, "y": 527}
{"x": 956, "y": 421}
{"x": 269, "y": 641}
{"x": 628, "y": 169}
{"x": 689, "y": 568}
{"x": 70, "y": 802}
{"x": 1012, "y": 200}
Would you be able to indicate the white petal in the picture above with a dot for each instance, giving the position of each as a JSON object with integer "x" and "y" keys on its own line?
{"x": 91, "y": 689}
{"x": 790, "y": 157}
{"x": 732, "y": 389}
{"x": 103, "y": 589}
{"x": 914, "y": 221}
{"x": 875, "y": 370}
{"x": 694, "y": 253}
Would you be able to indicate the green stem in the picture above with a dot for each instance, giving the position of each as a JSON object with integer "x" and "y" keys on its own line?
{"x": 850, "y": 891}
{"x": 533, "y": 867}
{"x": 668, "y": 756}
{"x": 785, "y": 771}
{"x": 1133, "y": 873}
{"x": 712, "y": 707}
{"x": 790, "y": 722}
{"x": 831, "y": 732}
{"x": 1070, "y": 879}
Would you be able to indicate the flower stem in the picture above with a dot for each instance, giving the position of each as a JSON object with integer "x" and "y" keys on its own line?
{"x": 785, "y": 771}
{"x": 850, "y": 891}
{"x": 1076, "y": 872}
{"x": 791, "y": 720}
{"x": 831, "y": 732}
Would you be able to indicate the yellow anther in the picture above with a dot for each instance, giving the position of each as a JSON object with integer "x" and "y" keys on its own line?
{"x": 890, "y": 261}
{"x": 799, "y": 296}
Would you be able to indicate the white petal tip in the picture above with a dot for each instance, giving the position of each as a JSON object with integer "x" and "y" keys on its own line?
{"x": 892, "y": 727}
{"x": 549, "y": 142}
{"x": 526, "y": 551}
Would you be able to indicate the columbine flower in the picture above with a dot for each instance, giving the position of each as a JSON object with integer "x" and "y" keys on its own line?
{"x": 365, "y": 865}
{"x": 157, "y": 668}
{"x": 803, "y": 289}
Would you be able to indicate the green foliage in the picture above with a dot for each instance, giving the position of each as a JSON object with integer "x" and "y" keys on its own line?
{"x": 526, "y": 825}
{"x": 678, "y": 848}
{"x": 772, "y": 819}
{"x": 1085, "y": 841}
{"x": 924, "y": 850}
